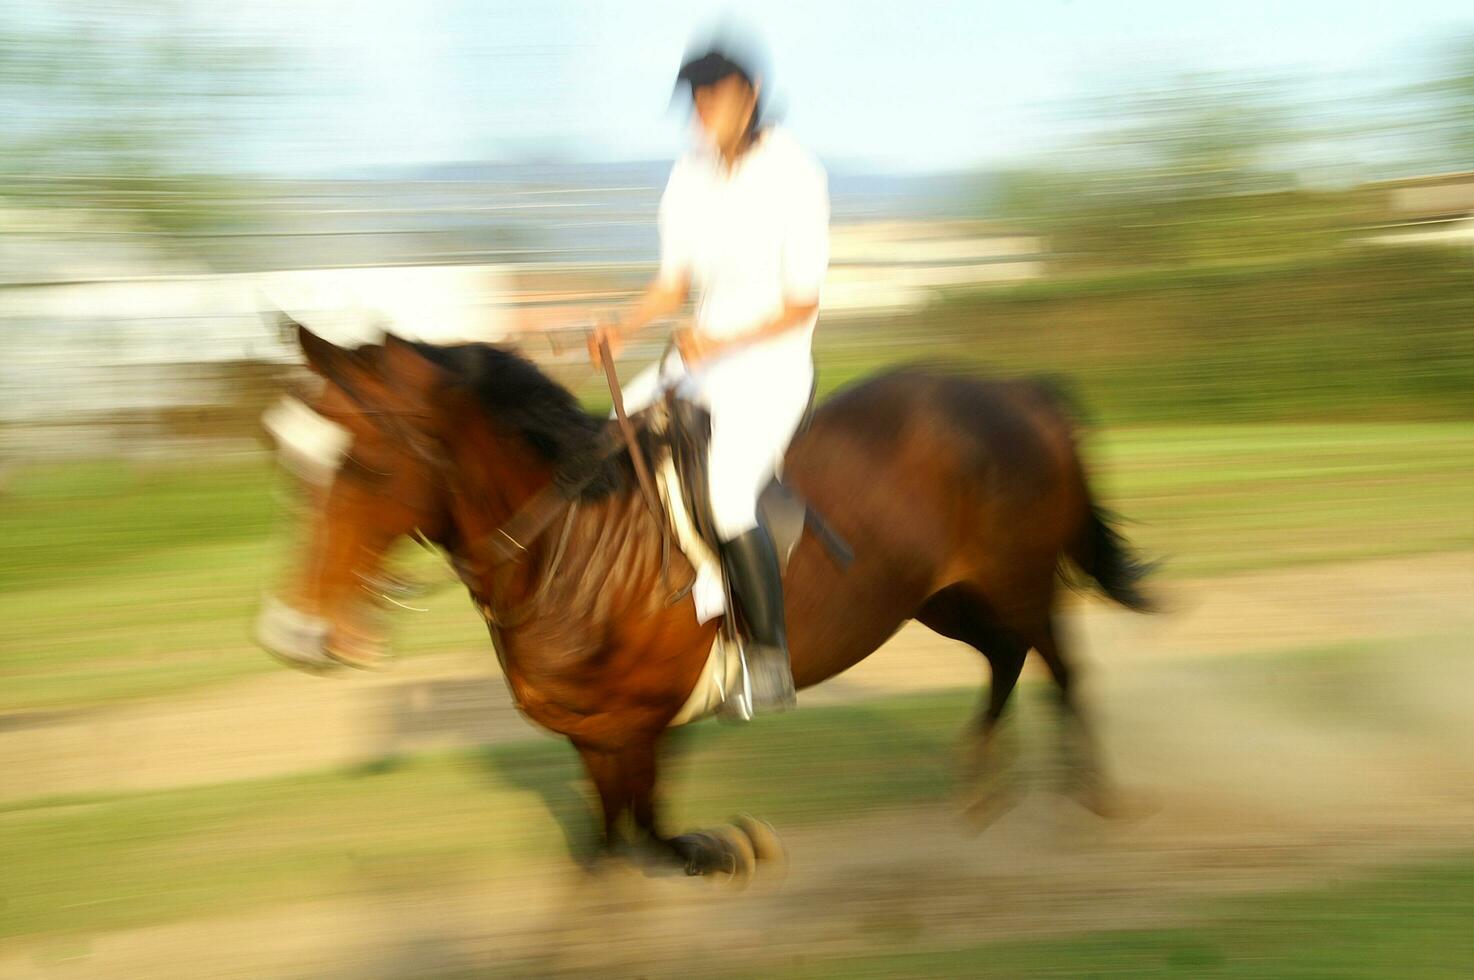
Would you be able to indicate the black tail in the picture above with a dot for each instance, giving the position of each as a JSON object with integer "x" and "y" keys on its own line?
{"x": 1107, "y": 557}
{"x": 1101, "y": 552}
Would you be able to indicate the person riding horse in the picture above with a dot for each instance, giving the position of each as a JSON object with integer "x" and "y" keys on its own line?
{"x": 962, "y": 498}
{"x": 745, "y": 221}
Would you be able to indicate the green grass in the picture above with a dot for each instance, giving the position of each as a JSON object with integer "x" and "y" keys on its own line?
{"x": 1236, "y": 498}
{"x": 121, "y": 582}
{"x": 68, "y": 519}
{"x": 1409, "y": 922}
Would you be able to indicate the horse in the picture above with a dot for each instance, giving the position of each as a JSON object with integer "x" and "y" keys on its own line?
{"x": 963, "y": 500}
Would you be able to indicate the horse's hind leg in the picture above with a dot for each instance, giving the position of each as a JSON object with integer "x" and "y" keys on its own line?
{"x": 992, "y": 747}
{"x": 1084, "y": 775}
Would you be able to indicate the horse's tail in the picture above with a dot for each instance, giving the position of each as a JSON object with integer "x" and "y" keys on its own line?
{"x": 1100, "y": 550}
{"x": 1107, "y": 557}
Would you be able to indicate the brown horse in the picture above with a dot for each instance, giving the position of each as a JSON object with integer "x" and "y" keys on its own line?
{"x": 960, "y": 498}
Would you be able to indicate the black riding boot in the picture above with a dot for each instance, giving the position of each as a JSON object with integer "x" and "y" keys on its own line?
{"x": 752, "y": 570}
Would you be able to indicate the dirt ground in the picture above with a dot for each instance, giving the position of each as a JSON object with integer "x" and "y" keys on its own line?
{"x": 1232, "y": 789}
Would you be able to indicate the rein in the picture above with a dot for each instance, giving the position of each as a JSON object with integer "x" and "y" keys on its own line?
{"x": 642, "y": 470}
{"x": 509, "y": 543}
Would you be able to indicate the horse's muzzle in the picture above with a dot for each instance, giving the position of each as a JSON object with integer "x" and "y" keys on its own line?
{"x": 292, "y": 636}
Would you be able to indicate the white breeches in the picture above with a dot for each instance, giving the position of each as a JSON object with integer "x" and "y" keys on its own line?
{"x": 756, "y": 397}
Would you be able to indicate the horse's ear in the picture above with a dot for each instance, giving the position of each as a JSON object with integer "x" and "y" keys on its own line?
{"x": 323, "y": 356}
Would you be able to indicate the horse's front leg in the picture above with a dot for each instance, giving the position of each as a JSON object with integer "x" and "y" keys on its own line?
{"x": 607, "y": 772}
{"x": 626, "y": 779}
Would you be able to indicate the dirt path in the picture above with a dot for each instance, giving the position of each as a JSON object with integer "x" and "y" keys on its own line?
{"x": 1253, "y": 790}
{"x": 286, "y": 723}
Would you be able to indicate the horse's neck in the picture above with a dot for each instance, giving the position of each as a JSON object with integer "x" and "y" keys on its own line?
{"x": 495, "y": 480}
{"x": 603, "y": 556}
{"x": 599, "y": 560}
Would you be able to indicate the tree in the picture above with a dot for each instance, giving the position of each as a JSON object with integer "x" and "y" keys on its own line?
{"x": 1450, "y": 100}
{"x": 1194, "y": 167}
{"x": 128, "y": 107}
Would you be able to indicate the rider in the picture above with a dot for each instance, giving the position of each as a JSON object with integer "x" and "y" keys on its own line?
{"x": 745, "y": 220}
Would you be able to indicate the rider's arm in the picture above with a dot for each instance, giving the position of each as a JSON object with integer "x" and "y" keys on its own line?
{"x": 795, "y": 314}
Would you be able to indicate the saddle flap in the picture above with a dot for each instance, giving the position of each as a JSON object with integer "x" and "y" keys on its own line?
{"x": 783, "y": 512}
{"x": 780, "y": 508}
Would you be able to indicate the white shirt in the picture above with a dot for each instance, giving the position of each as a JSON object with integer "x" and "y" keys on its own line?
{"x": 750, "y": 240}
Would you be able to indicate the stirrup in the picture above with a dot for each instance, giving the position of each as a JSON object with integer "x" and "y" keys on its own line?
{"x": 773, "y": 691}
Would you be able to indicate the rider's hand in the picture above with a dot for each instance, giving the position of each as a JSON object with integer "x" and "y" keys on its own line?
{"x": 604, "y": 332}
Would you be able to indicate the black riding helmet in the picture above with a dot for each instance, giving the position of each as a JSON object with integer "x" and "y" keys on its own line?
{"x": 711, "y": 67}
{"x": 710, "y": 64}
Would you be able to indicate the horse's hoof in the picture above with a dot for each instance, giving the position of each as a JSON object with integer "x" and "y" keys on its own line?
{"x": 991, "y": 786}
{"x": 324, "y": 667}
{"x": 991, "y": 757}
{"x": 721, "y": 853}
{"x": 772, "y": 856}
{"x": 1114, "y": 803}
{"x": 743, "y": 854}
{"x": 980, "y": 810}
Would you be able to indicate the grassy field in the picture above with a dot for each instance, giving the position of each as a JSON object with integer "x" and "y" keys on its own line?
{"x": 121, "y": 581}
{"x": 80, "y": 863}
{"x": 429, "y": 818}
{"x": 418, "y": 827}
{"x": 1407, "y": 922}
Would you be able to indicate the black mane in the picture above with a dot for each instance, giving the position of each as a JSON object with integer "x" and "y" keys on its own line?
{"x": 516, "y": 393}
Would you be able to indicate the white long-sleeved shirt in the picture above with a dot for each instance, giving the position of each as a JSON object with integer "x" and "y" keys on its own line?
{"x": 750, "y": 240}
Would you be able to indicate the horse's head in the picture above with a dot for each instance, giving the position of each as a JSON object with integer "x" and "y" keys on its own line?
{"x": 404, "y": 438}
{"x": 367, "y": 455}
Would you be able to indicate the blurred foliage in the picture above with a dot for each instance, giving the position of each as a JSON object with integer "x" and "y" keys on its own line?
{"x": 1446, "y": 105}
{"x": 125, "y": 109}
{"x": 1190, "y": 173}
{"x": 1201, "y": 168}
{"x": 1371, "y": 333}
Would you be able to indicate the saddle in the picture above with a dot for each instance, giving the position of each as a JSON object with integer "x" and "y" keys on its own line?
{"x": 678, "y": 439}
{"x": 672, "y": 438}
{"x": 682, "y": 429}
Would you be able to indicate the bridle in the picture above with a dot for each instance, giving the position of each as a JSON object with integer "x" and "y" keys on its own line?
{"x": 509, "y": 543}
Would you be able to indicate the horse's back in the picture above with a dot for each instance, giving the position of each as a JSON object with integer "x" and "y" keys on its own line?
{"x": 957, "y": 461}
{"x": 1021, "y": 426}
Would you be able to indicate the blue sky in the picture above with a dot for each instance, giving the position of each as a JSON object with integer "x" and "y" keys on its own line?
{"x": 910, "y": 86}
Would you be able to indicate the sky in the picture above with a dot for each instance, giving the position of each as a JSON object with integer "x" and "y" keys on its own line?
{"x": 899, "y": 86}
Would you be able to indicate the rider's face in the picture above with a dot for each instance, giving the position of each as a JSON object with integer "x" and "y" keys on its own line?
{"x": 725, "y": 109}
